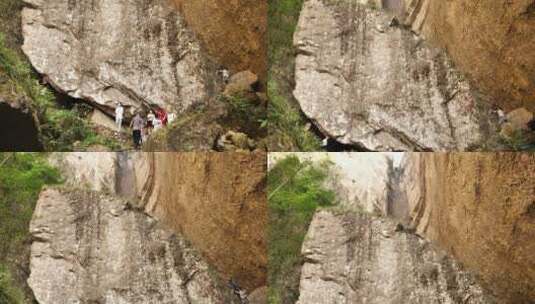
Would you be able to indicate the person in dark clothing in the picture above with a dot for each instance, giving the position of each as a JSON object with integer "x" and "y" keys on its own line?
{"x": 137, "y": 126}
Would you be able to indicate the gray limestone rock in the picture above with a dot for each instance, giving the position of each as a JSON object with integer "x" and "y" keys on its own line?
{"x": 355, "y": 258}
{"x": 89, "y": 247}
{"x": 382, "y": 87}
{"x": 108, "y": 51}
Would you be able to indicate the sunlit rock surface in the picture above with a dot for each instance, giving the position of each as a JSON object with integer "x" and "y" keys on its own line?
{"x": 107, "y": 51}
{"x": 352, "y": 258}
{"x": 381, "y": 87}
{"x": 94, "y": 248}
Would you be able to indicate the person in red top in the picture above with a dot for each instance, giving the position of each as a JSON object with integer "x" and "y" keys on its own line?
{"x": 162, "y": 116}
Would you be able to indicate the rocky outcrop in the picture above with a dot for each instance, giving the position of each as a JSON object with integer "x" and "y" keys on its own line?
{"x": 216, "y": 200}
{"x": 94, "y": 248}
{"x": 479, "y": 207}
{"x": 492, "y": 42}
{"x": 138, "y": 53}
{"x": 355, "y": 259}
{"x": 367, "y": 82}
{"x": 232, "y": 31}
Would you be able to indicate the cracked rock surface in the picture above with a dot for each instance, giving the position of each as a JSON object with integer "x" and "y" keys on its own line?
{"x": 381, "y": 87}
{"x": 94, "y": 248}
{"x": 352, "y": 258}
{"x": 108, "y": 51}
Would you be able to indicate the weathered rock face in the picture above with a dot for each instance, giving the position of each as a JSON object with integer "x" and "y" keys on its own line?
{"x": 216, "y": 200}
{"x": 382, "y": 87}
{"x": 232, "y": 31}
{"x": 361, "y": 181}
{"x": 480, "y": 208}
{"x": 491, "y": 41}
{"x": 107, "y": 51}
{"x": 355, "y": 259}
{"x": 93, "y": 248}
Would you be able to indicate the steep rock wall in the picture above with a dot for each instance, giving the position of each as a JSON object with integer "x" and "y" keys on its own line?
{"x": 480, "y": 208}
{"x": 491, "y": 41}
{"x": 216, "y": 200}
{"x": 351, "y": 258}
{"x": 90, "y": 247}
{"x": 232, "y": 31}
{"x": 138, "y": 53}
{"x": 382, "y": 87}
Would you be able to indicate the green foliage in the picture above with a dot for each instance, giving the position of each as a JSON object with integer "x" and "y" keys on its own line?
{"x": 286, "y": 124}
{"x": 295, "y": 190}
{"x": 22, "y": 175}
{"x": 60, "y": 128}
{"x": 245, "y": 115}
{"x": 9, "y": 293}
{"x": 520, "y": 140}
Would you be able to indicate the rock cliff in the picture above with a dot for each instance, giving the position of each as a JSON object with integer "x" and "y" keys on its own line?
{"x": 491, "y": 41}
{"x": 216, "y": 200}
{"x": 352, "y": 258}
{"x": 90, "y": 247}
{"x": 464, "y": 219}
{"x": 232, "y": 31}
{"x": 366, "y": 81}
{"x": 480, "y": 208}
{"x": 137, "y": 53}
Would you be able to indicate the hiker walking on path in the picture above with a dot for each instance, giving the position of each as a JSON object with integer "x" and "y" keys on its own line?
{"x": 137, "y": 126}
{"x": 119, "y": 114}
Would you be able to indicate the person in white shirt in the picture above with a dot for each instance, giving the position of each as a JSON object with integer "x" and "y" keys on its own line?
{"x": 150, "y": 122}
{"x": 119, "y": 114}
{"x": 171, "y": 117}
{"x": 157, "y": 123}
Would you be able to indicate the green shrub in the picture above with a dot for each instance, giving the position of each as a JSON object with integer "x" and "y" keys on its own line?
{"x": 286, "y": 124}
{"x": 295, "y": 190}
{"x": 60, "y": 128}
{"x": 22, "y": 175}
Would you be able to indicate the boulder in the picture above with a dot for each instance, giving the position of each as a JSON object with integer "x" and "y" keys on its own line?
{"x": 382, "y": 91}
{"x": 241, "y": 83}
{"x": 519, "y": 118}
{"x": 138, "y": 53}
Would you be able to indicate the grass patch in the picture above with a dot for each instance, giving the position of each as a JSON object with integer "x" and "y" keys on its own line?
{"x": 295, "y": 190}
{"x": 60, "y": 129}
{"x": 286, "y": 124}
{"x": 245, "y": 115}
{"x": 22, "y": 175}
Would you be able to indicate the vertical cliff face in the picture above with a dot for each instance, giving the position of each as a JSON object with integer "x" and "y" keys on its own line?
{"x": 232, "y": 31}
{"x": 492, "y": 41}
{"x": 368, "y": 82}
{"x": 137, "y": 53}
{"x": 351, "y": 258}
{"x": 91, "y": 247}
{"x": 218, "y": 201}
{"x": 480, "y": 208}
{"x": 215, "y": 200}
